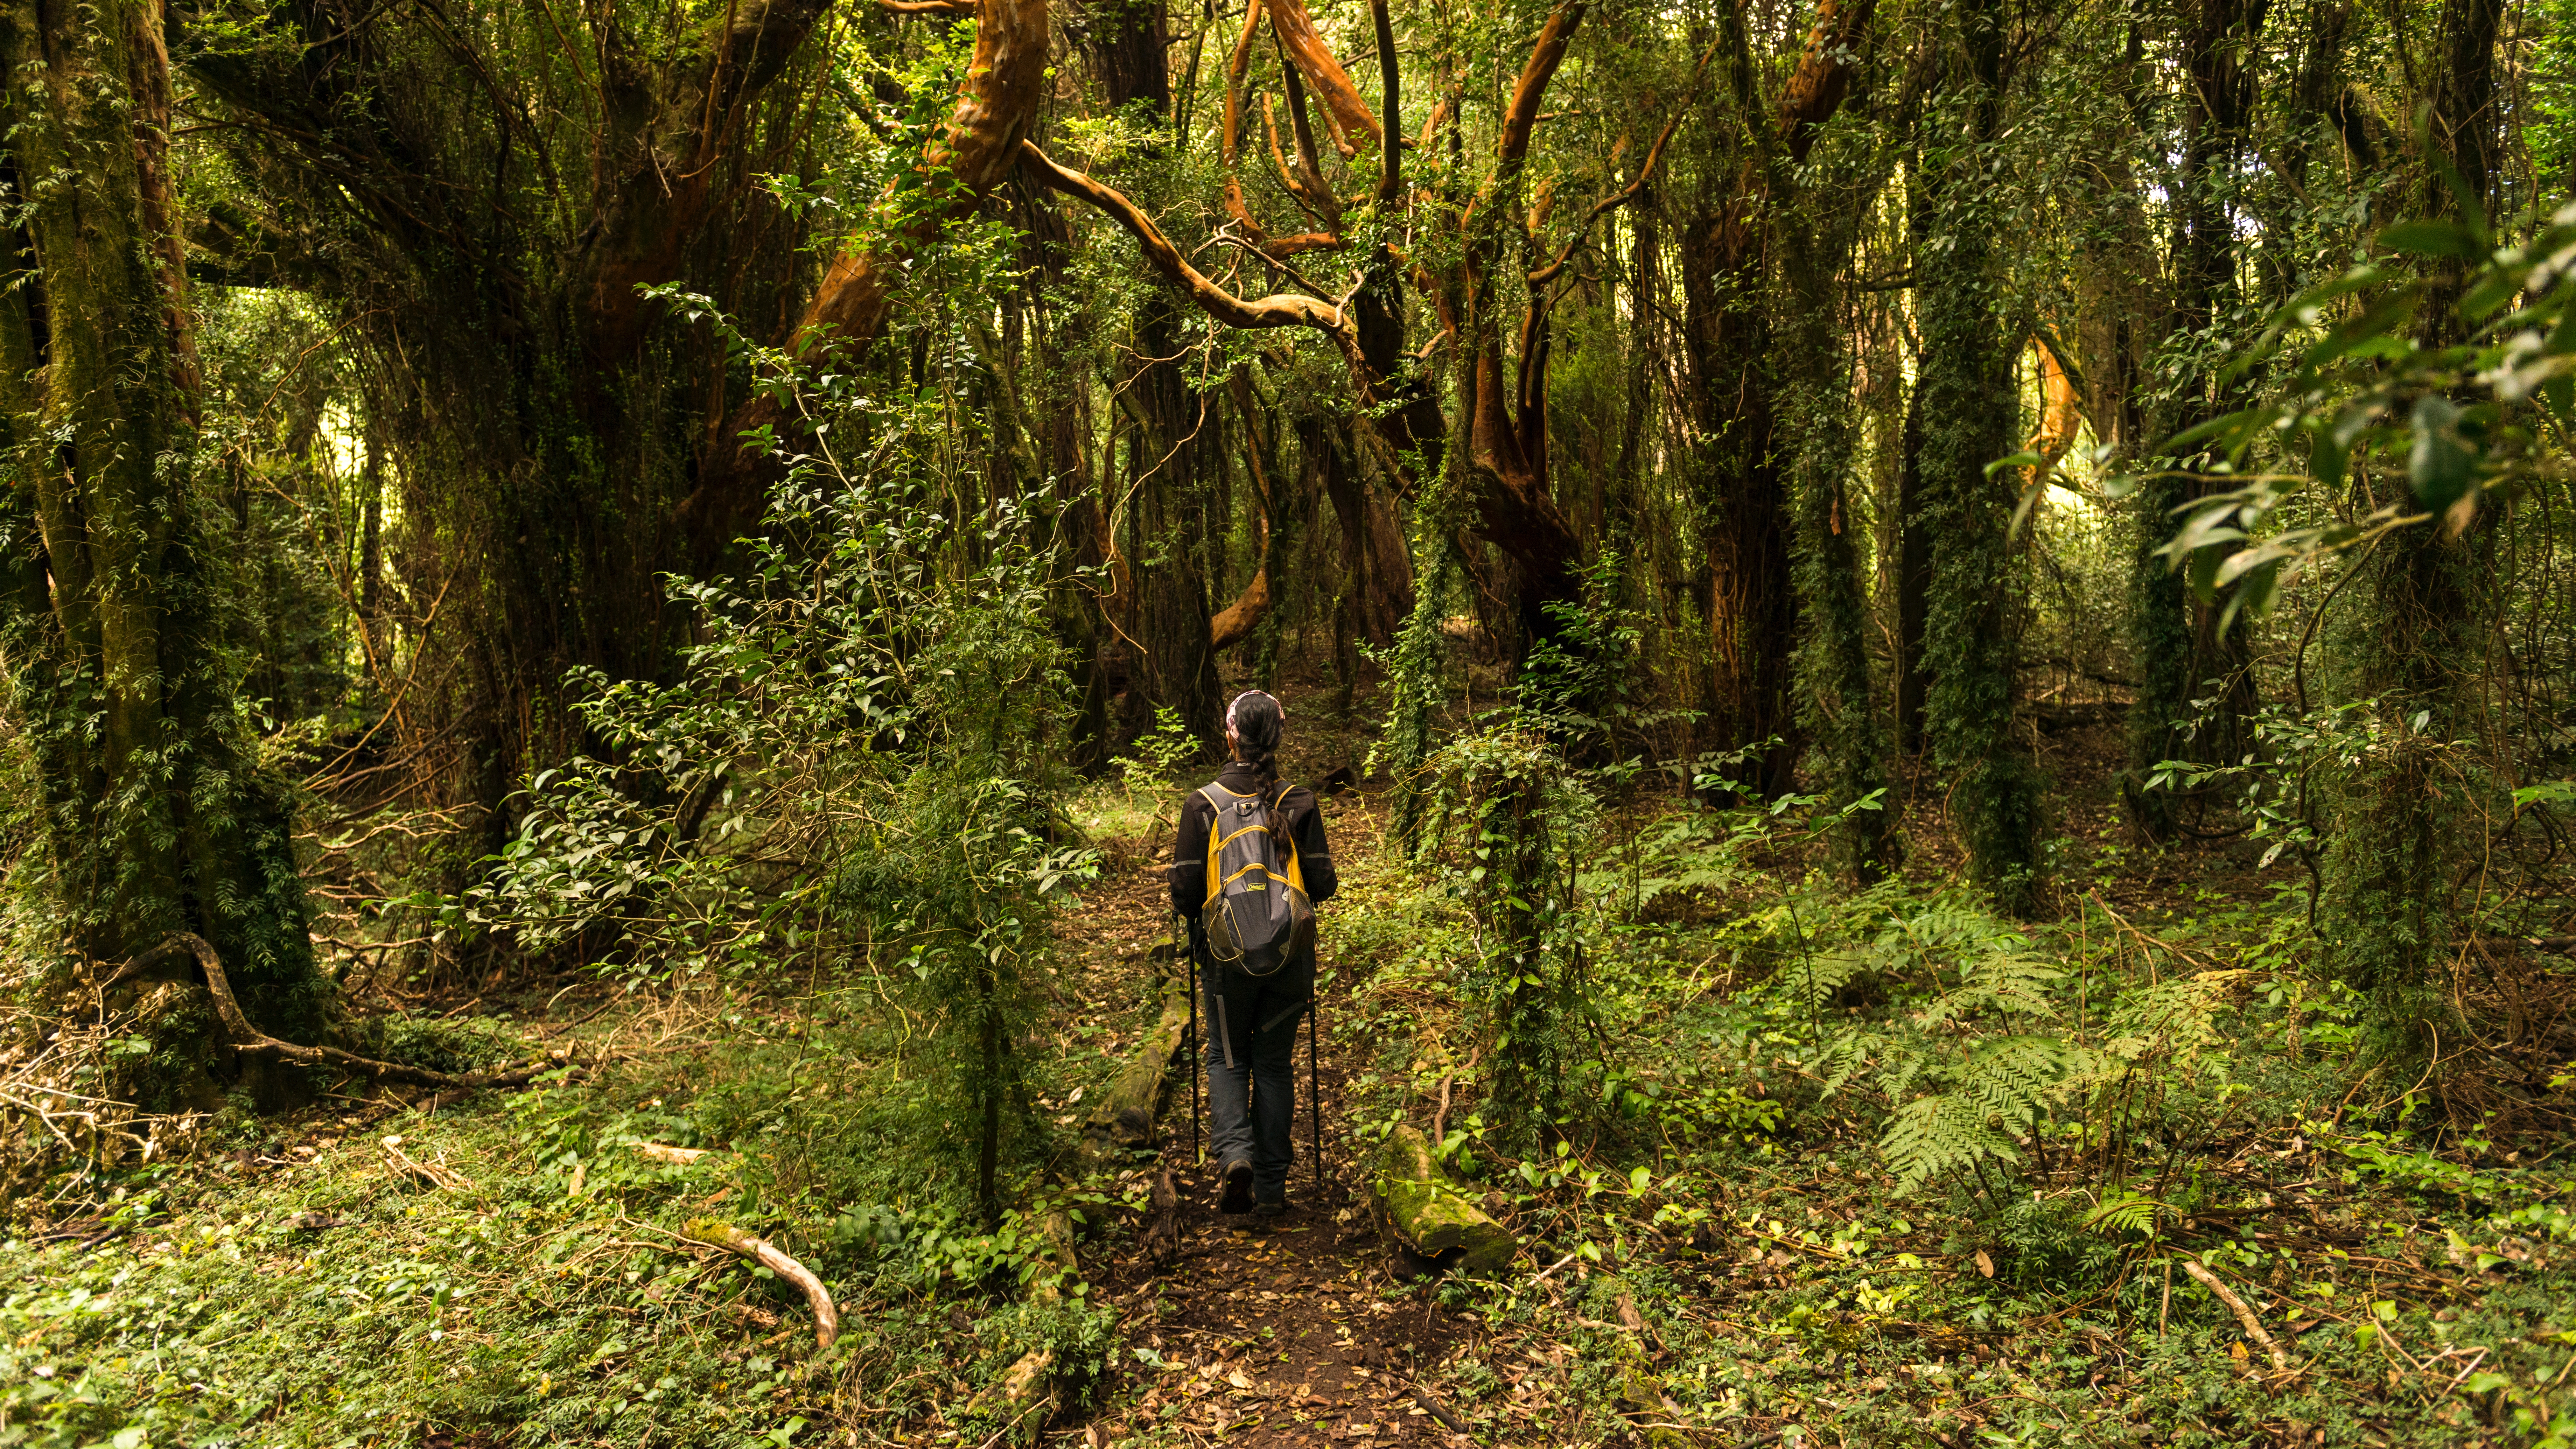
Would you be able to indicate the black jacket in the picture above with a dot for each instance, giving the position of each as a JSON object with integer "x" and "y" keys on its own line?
{"x": 1305, "y": 826}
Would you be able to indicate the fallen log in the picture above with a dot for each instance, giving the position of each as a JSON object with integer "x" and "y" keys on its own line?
{"x": 1429, "y": 1217}
{"x": 827, "y": 1320}
{"x": 1124, "y": 1116}
{"x": 251, "y": 1041}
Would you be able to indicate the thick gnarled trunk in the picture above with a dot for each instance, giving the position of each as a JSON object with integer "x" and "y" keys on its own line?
{"x": 161, "y": 819}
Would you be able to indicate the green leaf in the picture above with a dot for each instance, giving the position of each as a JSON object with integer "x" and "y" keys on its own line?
{"x": 2425, "y": 238}
{"x": 2440, "y": 466}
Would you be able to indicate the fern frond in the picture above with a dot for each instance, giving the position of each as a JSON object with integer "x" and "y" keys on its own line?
{"x": 2015, "y": 1077}
{"x": 1843, "y": 1056}
{"x": 1936, "y": 1134}
{"x": 2127, "y": 1213}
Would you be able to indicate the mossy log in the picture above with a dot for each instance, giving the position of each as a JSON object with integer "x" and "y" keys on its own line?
{"x": 1058, "y": 1263}
{"x": 1426, "y": 1214}
{"x": 1125, "y": 1116}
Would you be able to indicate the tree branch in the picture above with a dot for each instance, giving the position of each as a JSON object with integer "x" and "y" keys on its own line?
{"x": 1346, "y": 116}
{"x": 1287, "y": 309}
{"x": 977, "y": 148}
{"x": 714, "y": 1234}
{"x": 1628, "y": 193}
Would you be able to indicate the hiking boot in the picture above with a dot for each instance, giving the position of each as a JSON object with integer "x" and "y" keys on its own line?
{"x": 1270, "y": 1205}
{"x": 1237, "y": 1196}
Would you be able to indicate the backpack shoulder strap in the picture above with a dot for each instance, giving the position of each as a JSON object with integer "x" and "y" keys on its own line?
{"x": 1216, "y": 827}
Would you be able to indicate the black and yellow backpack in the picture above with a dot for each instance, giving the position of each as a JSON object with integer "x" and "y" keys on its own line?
{"x": 1257, "y": 916}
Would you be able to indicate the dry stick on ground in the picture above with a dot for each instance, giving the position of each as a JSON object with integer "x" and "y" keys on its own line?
{"x": 827, "y": 1321}
{"x": 2253, "y": 1326}
{"x": 437, "y": 1174}
{"x": 251, "y": 1041}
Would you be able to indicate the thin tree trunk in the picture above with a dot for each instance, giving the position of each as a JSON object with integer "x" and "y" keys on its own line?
{"x": 2181, "y": 655}
{"x": 2420, "y": 639}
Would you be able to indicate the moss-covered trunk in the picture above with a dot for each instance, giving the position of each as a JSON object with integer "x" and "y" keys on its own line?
{"x": 115, "y": 619}
{"x": 1971, "y": 418}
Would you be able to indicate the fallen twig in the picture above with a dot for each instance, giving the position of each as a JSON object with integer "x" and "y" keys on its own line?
{"x": 827, "y": 1321}
{"x": 1448, "y": 1420}
{"x": 665, "y": 1152}
{"x": 1544, "y": 1273}
{"x": 2253, "y": 1326}
{"x": 437, "y": 1174}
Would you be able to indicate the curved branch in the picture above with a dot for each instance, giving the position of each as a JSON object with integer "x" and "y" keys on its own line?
{"x": 1237, "y": 66}
{"x": 827, "y": 1319}
{"x": 1823, "y": 77}
{"x": 251, "y": 1041}
{"x": 1626, "y": 194}
{"x": 1546, "y": 54}
{"x": 1286, "y": 309}
{"x": 969, "y": 157}
{"x": 1503, "y": 442}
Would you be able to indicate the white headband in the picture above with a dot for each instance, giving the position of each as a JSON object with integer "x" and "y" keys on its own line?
{"x": 1238, "y": 704}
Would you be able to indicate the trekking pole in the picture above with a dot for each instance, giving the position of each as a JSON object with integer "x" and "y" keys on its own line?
{"x": 1314, "y": 1092}
{"x": 1190, "y": 974}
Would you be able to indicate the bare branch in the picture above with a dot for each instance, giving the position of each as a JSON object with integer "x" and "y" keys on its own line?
{"x": 250, "y": 1040}
{"x": 1286, "y": 309}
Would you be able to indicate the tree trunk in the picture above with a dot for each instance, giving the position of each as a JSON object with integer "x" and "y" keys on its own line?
{"x": 1737, "y": 371}
{"x": 2418, "y": 638}
{"x": 1913, "y": 574}
{"x": 2181, "y": 656}
{"x": 1377, "y": 569}
{"x": 1970, "y": 419}
{"x": 116, "y": 603}
{"x": 1176, "y": 663}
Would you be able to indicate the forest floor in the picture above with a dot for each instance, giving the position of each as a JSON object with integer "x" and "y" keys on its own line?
{"x": 389, "y": 1269}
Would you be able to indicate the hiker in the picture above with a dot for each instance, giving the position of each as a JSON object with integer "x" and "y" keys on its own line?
{"x": 1255, "y": 951}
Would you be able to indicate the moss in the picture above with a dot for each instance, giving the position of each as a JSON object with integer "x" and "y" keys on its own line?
{"x": 1434, "y": 1218}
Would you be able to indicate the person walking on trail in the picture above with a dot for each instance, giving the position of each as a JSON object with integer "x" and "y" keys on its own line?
{"x": 1248, "y": 867}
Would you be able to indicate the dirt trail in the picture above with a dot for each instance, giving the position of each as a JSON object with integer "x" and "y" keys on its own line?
{"x": 1273, "y": 1333}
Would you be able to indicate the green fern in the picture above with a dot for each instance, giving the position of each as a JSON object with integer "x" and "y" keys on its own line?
{"x": 2127, "y": 1212}
{"x": 1995, "y": 1094}
{"x": 1825, "y": 973}
{"x": 1938, "y": 1134}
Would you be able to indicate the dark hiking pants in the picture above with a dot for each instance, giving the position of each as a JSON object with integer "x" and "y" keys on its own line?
{"x": 1252, "y": 1066}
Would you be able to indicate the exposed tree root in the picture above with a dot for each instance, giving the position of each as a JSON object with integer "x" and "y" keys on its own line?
{"x": 827, "y": 1320}
{"x": 251, "y": 1041}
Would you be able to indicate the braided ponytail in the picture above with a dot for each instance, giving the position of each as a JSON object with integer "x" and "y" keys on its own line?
{"x": 1257, "y": 722}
